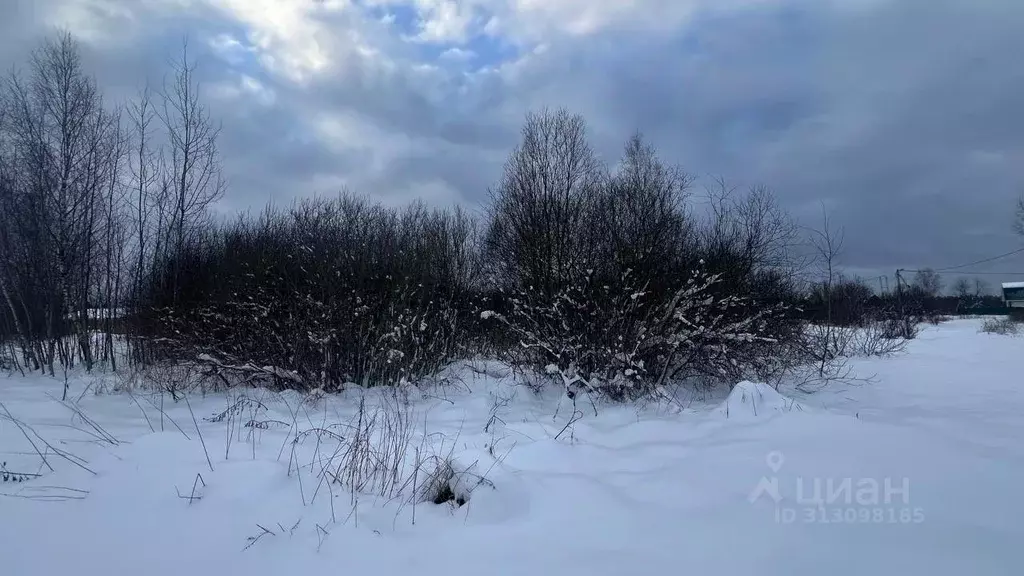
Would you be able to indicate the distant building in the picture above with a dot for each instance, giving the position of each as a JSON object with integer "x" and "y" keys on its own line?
{"x": 1013, "y": 294}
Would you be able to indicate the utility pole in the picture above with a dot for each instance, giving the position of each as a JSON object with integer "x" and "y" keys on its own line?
{"x": 899, "y": 290}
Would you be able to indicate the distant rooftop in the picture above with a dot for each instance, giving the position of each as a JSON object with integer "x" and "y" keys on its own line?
{"x": 1013, "y": 284}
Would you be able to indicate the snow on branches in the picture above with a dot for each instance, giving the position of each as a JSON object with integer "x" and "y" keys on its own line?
{"x": 623, "y": 341}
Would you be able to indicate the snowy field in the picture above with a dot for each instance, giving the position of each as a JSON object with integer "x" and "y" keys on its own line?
{"x": 917, "y": 470}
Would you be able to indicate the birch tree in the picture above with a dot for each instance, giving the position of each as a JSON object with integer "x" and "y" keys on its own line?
{"x": 194, "y": 178}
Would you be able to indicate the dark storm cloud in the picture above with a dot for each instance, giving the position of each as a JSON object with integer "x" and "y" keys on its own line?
{"x": 931, "y": 153}
{"x": 902, "y": 118}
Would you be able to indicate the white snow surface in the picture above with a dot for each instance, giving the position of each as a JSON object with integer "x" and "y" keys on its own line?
{"x": 919, "y": 470}
{"x": 753, "y": 399}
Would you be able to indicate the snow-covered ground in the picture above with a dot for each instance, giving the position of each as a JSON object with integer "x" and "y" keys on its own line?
{"x": 917, "y": 471}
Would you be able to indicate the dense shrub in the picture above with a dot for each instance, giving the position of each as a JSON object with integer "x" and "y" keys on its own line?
{"x": 330, "y": 291}
{"x": 624, "y": 344}
{"x": 844, "y": 303}
{"x": 1001, "y": 326}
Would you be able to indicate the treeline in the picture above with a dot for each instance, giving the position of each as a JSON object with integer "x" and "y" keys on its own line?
{"x": 613, "y": 279}
{"x": 852, "y": 302}
{"x": 94, "y": 200}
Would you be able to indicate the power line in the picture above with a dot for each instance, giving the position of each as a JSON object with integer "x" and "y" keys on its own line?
{"x": 995, "y": 273}
{"x": 971, "y": 272}
{"x": 982, "y": 261}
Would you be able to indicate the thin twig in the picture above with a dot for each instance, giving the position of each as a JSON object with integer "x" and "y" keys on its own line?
{"x": 195, "y": 485}
{"x": 164, "y": 414}
{"x": 78, "y": 411}
{"x": 27, "y": 437}
{"x": 198, "y": 431}
{"x": 141, "y": 409}
{"x": 254, "y": 539}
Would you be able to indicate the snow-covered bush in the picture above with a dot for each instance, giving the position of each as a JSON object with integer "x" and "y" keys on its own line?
{"x": 624, "y": 344}
{"x": 1001, "y": 326}
{"x": 896, "y": 326}
{"x": 883, "y": 337}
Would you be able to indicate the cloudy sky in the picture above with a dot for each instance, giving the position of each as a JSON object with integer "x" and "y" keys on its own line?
{"x": 905, "y": 118}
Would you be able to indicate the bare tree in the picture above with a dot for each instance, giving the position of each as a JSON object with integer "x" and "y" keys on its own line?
{"x": 113, "y": 233}
{"x": 1018, "y": 223}
{"x": 963, "y": 288}
{"x": 11, "y": 325}
{"x": 63, "y": 148}
{"x": 146, "y": 172}
{"x": 928, "y": 282}
{"x": 641, "y": 216}
{"x": 981, "y": 288}
{"x": 827, "y": 341}
{"x": 195, "y": 180}
{"x": 746, "y": 236}
{"x": 538, "y": 235}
